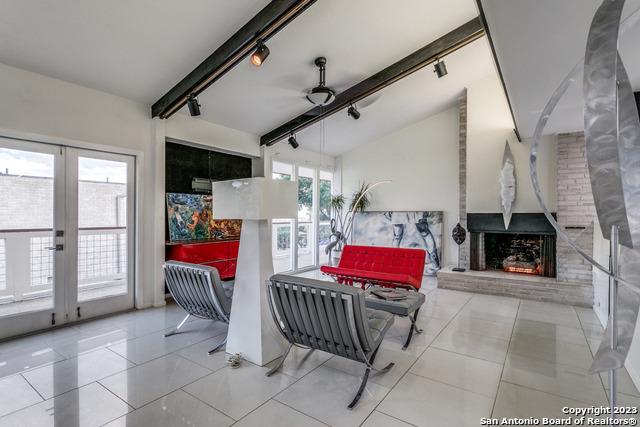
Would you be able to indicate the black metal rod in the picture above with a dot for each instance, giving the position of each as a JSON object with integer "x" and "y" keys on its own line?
{"x": 424, "y": 56}
{"x": 271, "y": 19}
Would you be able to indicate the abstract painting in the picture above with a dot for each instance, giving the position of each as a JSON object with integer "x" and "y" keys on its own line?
{"x": 190, "y": 217}
{"x": 402, "y": 229}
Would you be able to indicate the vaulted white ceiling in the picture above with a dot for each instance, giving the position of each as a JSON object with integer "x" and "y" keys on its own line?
{"x": 140, "y": 49}
{"x": 537, "y": 43}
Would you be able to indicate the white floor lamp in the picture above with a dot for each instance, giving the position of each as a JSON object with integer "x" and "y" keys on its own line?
{"x": 256, "y": 201}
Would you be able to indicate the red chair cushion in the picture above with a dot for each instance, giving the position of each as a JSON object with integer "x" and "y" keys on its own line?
{"x": 401, "y": 266}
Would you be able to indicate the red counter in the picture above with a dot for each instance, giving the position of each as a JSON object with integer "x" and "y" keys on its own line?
{"x": 221, "y": 254}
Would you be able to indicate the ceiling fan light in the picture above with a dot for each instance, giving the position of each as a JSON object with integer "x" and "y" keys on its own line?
{"x": 321, "y": 95}
{"x": 260, "y": 54}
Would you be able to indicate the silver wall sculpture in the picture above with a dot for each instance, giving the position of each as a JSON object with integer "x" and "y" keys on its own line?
{"x": 507, "y": 184}
{"x": 612, "y": 134}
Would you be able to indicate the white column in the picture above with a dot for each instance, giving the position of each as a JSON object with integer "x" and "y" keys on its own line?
{"x": 252, "y": 330}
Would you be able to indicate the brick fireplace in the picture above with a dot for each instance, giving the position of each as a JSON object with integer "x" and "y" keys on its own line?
{"x": 547, "y": 269}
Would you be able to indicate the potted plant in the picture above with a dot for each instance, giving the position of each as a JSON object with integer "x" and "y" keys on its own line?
{"x": 342, "y": 223}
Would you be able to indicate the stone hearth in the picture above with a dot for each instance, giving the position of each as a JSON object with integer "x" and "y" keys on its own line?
{"x": 516, "y": 285}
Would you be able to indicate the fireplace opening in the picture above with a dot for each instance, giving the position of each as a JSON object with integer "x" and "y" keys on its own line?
{"x": 513, "y": 253}
{"x": 528, "y": 246}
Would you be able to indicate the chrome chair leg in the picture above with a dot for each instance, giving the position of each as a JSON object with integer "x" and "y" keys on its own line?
{"x": 177, "y": 329}
{"x": 280, "y": 362}
{"x": 219, "y": 346}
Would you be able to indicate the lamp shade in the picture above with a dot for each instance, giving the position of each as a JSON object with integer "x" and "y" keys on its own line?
{"x": 255, "y": 198}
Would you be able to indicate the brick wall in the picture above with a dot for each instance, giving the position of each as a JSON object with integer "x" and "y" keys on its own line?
{"x": 27, "y": 202}
{"x": 462, "y": 178}
{"x": 576, "y": 210}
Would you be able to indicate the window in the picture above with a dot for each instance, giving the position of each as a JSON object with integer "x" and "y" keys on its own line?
{"x": 282, "y": 229}
{"x": 311, "y": 230}
{"x": 306, "y": 218}
{"x": 325, "y": 189}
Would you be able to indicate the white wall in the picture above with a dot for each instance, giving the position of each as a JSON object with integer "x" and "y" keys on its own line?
{"x": 422, "y": 162}
{"x": 489, "y": 125}
{"x": 44, "y": 109}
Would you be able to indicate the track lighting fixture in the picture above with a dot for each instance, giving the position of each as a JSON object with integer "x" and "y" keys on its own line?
{"x": 260, "y": 54}
{"x": 292, "y": 142}
{"x": 194, "y": 106}
{"x": 440, "y": 68}
{"x": 353, "y": 112}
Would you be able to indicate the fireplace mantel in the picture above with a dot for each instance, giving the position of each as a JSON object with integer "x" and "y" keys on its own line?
{"x": 532, "y": 223}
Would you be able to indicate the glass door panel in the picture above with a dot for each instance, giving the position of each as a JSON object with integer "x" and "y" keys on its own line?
{"x": 306, "y": 218}
{"x": 30, "y": 260}
{"x": 101, "y": 187}
{"x": 102, "y": 228}
{"x": 282, "y": 229}
{"x": 324, "y": 215}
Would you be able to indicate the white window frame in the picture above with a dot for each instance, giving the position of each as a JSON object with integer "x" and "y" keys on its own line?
{"x": 315, "y": 214}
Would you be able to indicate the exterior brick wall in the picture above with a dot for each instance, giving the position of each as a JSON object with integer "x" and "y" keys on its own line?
{"x": 576, "y": 210}
{"x": 28, "y": 203}
{"x": 462, "y": 178}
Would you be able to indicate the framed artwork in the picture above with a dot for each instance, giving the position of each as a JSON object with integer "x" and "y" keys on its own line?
{"x": 402, "y": 229}
{"x": 190, "y": 217}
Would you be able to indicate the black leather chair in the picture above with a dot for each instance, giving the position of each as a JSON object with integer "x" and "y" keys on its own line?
{"x": 330, "y": 317}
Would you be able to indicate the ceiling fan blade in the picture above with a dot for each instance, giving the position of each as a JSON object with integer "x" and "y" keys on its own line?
{"x": 369, "y": 101}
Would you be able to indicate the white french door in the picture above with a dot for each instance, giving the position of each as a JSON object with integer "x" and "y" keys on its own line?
{"x": 66, "y": 235}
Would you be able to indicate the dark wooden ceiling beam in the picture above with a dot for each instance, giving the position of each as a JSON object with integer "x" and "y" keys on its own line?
{"x": 271, "y": 19}
{"x": 446, "y": 44}
{"x": 495, "y": 61}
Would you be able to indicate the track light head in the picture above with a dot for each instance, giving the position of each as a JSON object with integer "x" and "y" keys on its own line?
{"x": 440, "y": 69}
{"x": 260, "y": 54}
{"x": 353, "y": 112}
{"x": 194, "y": 106}
{"x": 292, "y": 142}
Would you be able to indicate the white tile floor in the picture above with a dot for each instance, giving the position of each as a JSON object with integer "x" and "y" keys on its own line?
{"x": 478, "y": 356}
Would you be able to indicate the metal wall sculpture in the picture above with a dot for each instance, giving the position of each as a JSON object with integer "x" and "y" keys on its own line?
{"x": 612, "y": 134}
{"x": 507, "y": 185}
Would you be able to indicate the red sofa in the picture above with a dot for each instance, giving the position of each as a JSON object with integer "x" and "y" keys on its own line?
{"x": 379, "y": 266}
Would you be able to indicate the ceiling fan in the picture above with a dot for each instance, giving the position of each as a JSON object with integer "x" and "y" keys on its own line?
{"x": 321, "y": 95}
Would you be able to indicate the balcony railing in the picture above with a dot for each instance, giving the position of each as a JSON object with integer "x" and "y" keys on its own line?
{"x": 27, "y": 269}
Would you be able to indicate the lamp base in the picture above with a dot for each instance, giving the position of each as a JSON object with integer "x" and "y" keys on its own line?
{"x": 252, "y": 331}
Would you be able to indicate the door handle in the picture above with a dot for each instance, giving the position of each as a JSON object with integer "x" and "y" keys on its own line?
{"x": 55, "y": 248}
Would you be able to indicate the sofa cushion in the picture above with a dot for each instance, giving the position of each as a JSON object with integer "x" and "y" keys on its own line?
{"x": 403, "y": 307}
{"x": 379, "y": 322}
{"x": 373, "y": 276}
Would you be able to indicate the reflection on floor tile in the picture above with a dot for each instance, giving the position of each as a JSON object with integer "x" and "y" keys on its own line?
{"x": 89, "y": 406}
{"x": 60, "y": 377}
{"x": 174, "y": 410}
{"x": 468, "y": 373}
{"x": 154, "y": 345}
{"x": 378, "y": 419}
{"x": 480, "y": 346}
{"x": 514, "y": 401}
{"x": 145, "y": 383}
{"x": 563, "y": 380}
{"x": 274, "y": 413}
{"x": 236, "y": 392}
{"x": 423, "y": 402}
{"x": 16, "y": 394}
{"x": 18, "y": 360}
{"x": 325, "y": 393}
